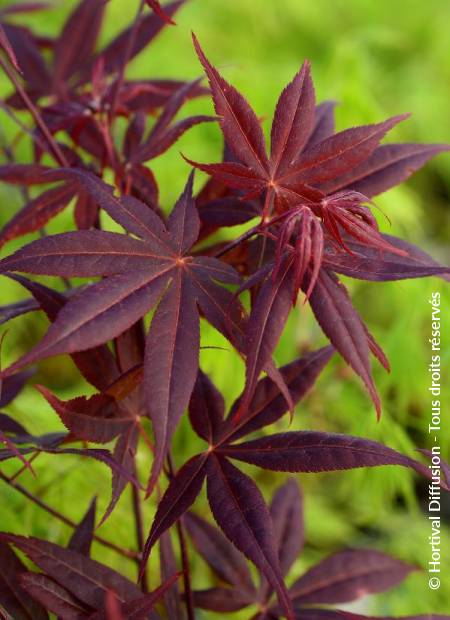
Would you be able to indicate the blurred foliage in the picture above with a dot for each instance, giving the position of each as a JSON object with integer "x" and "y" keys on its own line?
{"x": 376, "y": 59}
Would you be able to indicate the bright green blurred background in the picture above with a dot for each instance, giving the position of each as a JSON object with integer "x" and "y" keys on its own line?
{"x": 376, "y": 59}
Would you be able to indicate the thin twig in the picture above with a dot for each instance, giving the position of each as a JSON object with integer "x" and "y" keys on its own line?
{"x": 132, "y": 555}
{"x": 54, "y": 148}
{"x": 189, "y": 600}
{"x": 139, "y": 526}
{"x": 230, "y": 246}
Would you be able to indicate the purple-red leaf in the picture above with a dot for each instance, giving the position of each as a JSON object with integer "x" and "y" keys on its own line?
{"x": 239, "y": 509}
{"x": 124, "y": 454}
{"x": 286, "y": 510}
{"x": 95, "y": 419}
{"x": 323, "y": 124}
{"x": 77, "y": 40}
{"x": 268, "y": 404}
{"x": 389, "y": 165}
{"x": 343, "y": 326}
{"x": 54, "y": 597}
{"x": 83, "y": 534}
{"x": 206, "y": 408}
{"x": 171, "y": 362}
{"x": 336, "y": 154}
{"x": 267, "y": 320}
{"x": 178, "y": 498}
{"x": 37, "y": 212}
{"x": 348, "y": 575}
{"x": 311, "y": 451}
{"x": 366, "y": 263}
{"x": 168, "y": 567}
{"x": 84, "y": 578}
{"x": 222, "y": 600}
{"x": 14, "y": 599}
{"x": 224, "y": 559}
{"x": 293, "y": 120}
{"x": 239, "y": 123}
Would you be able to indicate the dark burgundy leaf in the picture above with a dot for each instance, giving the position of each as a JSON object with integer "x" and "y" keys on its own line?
{"x": 239, "y": 509}
{"x": 81, "y": 538}
{"x": 11, "y": 311}
{"x": 25, "y": 174}
{"x": 171, "y": 362}
{"x": 124, "y": 454}
{"x": 10, "y": 426}
{"x": 226, "y": 211}
{"x": 266, "y": 322}
{"x": 37, "y": 212}
{"x": 343, "y": 326}
{"x": 222, "y": 600}
{"x": 311, "y": 451}
{"x": 348, "y": 575}
{"x": 293, "y": 120}
{"x": 268, "y": 404}
{"x": 13, "y": 598}
{"x": 29, "y": 58}
{"x": 323, "y": 124}
{"x": 239, "y": 123}
{"x": 84, "y": 253}
{"x": 336, "y": 154}
{"x": 77, "y": 40}
{"x": 168, "y": 567}
{"x": 84, "y": 578}
{"x": 389, "y": 165}
{"x": 224, "y": 559}
{"x": 54, "y": 597}
{"x": 96, "y": 419}
{"x": 206, "y": 408}
{"x": 366, "y": 263}
{"x": 286, "y": 509}
{"x": 139, "y": 608}
{"x": 12, "y": 386}
{"x": 178, "y": 498}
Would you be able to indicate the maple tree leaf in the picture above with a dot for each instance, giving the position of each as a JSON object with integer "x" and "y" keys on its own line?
{"x": 313, "y": 187}
{"x": 342, "y": 577}
{"x": 163, "y": 274}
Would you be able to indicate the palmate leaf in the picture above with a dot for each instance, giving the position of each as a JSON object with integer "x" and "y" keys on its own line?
{"x": 306, "y": 158}
{"x": 253, "y": 170}
{"x": 160, "y": 272}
